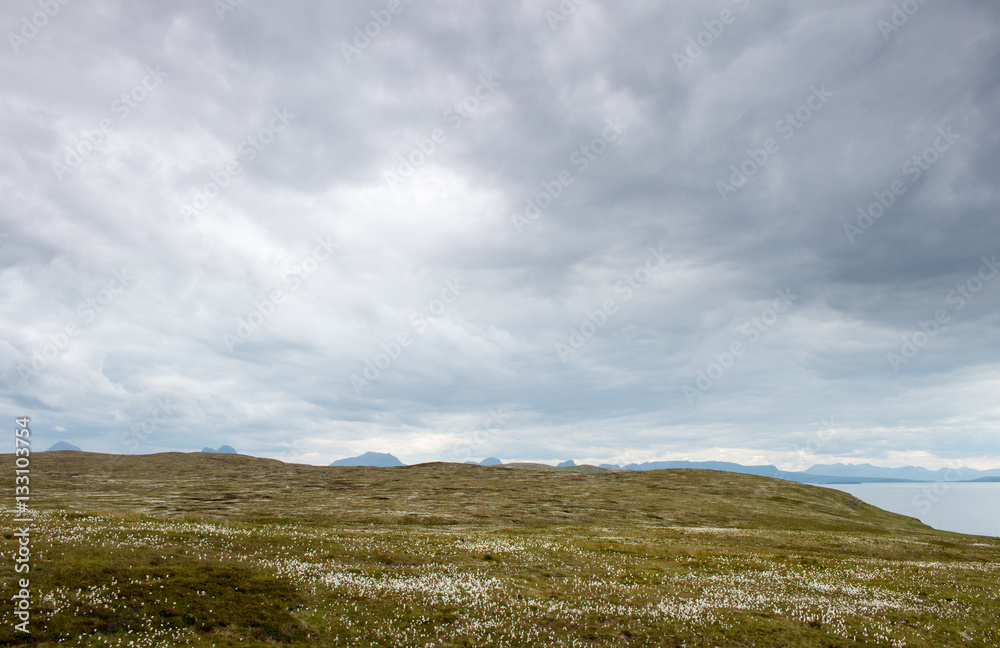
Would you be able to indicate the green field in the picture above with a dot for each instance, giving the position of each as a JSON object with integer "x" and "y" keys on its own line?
{"x": 227, "y": 550}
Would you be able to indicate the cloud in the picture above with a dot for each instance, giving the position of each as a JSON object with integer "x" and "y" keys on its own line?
{"x": 121, "y": 118}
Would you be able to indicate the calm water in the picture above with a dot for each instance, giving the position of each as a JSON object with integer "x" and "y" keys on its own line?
{"x": 972, "y": 508}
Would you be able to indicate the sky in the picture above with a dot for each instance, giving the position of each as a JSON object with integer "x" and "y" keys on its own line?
{"x": 741, "y": 230}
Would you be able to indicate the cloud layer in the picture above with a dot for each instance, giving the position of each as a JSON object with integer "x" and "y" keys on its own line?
{"x": 745, "y": 231}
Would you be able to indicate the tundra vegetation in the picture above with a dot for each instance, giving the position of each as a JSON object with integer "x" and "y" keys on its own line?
{"x": 227, "y": 550}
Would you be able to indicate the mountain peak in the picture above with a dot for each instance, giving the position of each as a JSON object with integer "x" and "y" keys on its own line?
{"x": 224, "y": 449}
{"x": 370, "y": 459}
{"x": 62, "y": 445}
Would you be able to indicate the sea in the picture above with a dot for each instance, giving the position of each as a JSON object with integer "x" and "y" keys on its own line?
{"x": 963, "y": 507}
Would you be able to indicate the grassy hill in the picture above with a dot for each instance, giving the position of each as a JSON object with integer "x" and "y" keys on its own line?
{"x": 226, "y": 550}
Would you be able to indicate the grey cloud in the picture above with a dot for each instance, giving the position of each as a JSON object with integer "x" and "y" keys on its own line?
{"x": 286, "y": 388}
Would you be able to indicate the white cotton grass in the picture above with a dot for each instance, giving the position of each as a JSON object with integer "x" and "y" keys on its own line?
{"x": 532, "y": 588}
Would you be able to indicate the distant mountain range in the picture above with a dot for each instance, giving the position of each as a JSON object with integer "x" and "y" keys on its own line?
{"x": 224, "y": 449}
{"x": 820, "y": 474}
{"x": 372, "y": 459}
{"x": 838, "y": 473}
{"x": 907, "y": 472}
{"x": 488, "y": 461}
{"x": 828, "y": 473}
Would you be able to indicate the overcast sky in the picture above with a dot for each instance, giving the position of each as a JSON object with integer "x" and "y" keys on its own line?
{"x": 599, "y": 231}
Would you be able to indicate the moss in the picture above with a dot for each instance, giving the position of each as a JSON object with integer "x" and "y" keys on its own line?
{"x": 236, "y": 551}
